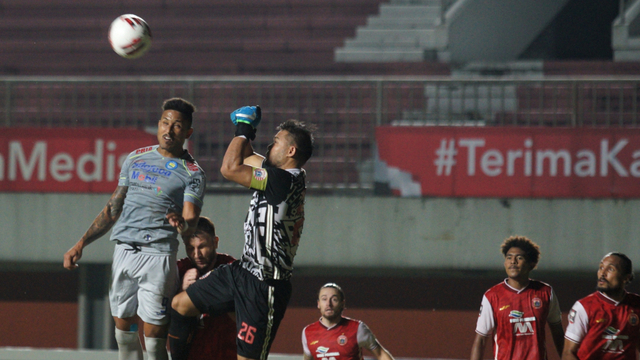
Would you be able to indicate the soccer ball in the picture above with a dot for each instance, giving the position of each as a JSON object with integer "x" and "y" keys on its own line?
{"x": 130, "y": 36}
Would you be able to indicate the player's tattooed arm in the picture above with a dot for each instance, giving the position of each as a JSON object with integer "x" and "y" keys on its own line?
{"x": 100, "y": 226}
{"x": 107, "y": 217}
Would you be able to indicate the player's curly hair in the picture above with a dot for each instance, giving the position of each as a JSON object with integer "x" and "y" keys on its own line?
{"x": 627, "y": 265}
{"x": 182, "y": 106}
{"x": 530, "y": 248}
{"x": 302, "y": 135}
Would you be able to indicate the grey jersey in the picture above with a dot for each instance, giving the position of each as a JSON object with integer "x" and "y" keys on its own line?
{"x": 157, "y": 185}
{"x": 274, "y": 222}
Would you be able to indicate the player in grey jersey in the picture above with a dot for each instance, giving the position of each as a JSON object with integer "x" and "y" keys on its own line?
{"x": 257, "y": 287}
{"x": 159, "y": 195}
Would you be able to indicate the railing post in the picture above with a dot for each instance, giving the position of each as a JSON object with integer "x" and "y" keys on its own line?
{"x": 574, "y": 104}
{"x": 7, "y": 104}
{"x": 379, "y": 103}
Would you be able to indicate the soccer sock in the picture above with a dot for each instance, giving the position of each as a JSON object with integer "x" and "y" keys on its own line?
{"x": 156, "y": 348}
{"x": 129, "y": 347}
{"x": 179, "y": 332}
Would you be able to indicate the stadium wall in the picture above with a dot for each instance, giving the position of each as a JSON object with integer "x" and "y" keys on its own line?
{"x": 380, "y": 232}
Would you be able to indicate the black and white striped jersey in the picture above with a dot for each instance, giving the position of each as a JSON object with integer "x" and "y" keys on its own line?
{"x": 274, "y": 222}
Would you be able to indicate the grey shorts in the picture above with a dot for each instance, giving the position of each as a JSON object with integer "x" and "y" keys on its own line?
{"x": 143, "y": 283}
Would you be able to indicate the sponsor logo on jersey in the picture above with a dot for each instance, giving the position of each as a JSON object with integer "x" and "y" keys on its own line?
{"x": 142, "y": 165}
{"x": 192, "y": 166}
{"x": 194, "y": 185}
{"x": 614, "y": 342}
{"x": 480, "y": 314}
{"x": 158, "y": 191}
{"x": 611, "y": 330}
{"x": 144, "y": 150}
{"x": 523, "y": 326}
{"x": 322, "y": 349}
{"x": 342, "y": 340}
{"x": 633, "y": 319}
{"x": 171, "y": 165}
{"x": 136, "y": 175}
{"x": 314, "y": 342}
{"x": 259, "y": 174}
{"x": 516, "y": 314}
{"x": 536, "y": 303}
{"x": 572, "y": 316}
{"x": 505, "y": 307}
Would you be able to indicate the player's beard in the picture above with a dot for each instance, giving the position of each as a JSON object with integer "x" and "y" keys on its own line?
{"x": 610, "y": 291}
{"x": 209, "y": 264}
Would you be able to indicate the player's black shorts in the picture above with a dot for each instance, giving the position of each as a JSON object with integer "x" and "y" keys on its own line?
{"x": 259, "y": 305}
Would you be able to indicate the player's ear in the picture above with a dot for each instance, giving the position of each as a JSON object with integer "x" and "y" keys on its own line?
{"x": 291, "y": 152}
{"x": 215, "y": 242}
{"x": 189, "y": 132}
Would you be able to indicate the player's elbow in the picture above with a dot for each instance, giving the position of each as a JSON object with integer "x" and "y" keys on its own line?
{"x": 226, "y": 171}
{"x": 231, "y": 171}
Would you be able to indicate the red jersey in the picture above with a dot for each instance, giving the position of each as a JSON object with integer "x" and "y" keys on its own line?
{"x": 215, "y": 337}
{"x": 518, "y": 318}
{"x": 604, "y": 328}
{"x": 342, "y": 341}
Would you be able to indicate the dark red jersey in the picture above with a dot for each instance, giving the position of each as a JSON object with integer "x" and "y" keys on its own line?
{"x": 342, "y": 341}
{"x": 604, "y": 328}
{"x": 518, "y": 319}
{"x": 215, "y": 337}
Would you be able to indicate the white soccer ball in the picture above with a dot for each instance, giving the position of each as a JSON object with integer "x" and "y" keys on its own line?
{"x": 130, "y": 36}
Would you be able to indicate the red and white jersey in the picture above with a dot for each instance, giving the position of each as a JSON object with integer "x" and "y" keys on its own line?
{"x": 517, "y": 318}
{"x": 215, "y": 337}
{"x": 342, "y": 341}
{"x": 604, "y": 328}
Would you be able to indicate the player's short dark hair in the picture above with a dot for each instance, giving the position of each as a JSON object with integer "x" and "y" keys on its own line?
{"x": 335, "y": 286}
{"x": 530, "y": 248}
{"x": 182, "y": 106}
{"x": 302, "y": 135}
{"x": 205, "y": 226}
{"x": 627, "y": 265}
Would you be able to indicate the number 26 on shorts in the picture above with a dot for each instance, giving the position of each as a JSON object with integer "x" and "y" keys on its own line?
{"x": 247, "y": 333}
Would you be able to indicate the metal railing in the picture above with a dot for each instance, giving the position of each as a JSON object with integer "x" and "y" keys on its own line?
{"x": 345, "y": 110}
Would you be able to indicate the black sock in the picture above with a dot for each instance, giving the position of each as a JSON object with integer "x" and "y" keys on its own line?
{"x": 180, "y": 330}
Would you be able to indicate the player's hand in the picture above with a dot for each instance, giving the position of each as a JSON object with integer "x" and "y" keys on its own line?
{"x": 189, "y": 278}
{"x": 177, "y": 221}
{"x": 246, "y": 119}
{"x": 247, "y": 115}
{"x": 71, "y": 257}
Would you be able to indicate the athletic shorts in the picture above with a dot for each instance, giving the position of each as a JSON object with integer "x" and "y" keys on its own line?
{"x": 143, "y": 282}
{"x": 259, "y": 305}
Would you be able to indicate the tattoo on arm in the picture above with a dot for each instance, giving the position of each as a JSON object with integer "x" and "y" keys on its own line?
{"x": 107, "y": 217}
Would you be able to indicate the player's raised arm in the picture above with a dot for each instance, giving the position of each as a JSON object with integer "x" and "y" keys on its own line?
{"x": 234, "y": 167}
{"x": 100, "y": 226}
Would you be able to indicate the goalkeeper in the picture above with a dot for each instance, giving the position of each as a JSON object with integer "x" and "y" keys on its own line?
{"x": 257, "y": 287}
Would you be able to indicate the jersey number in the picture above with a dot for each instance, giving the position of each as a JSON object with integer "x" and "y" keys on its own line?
{"x": 247, "y": 333}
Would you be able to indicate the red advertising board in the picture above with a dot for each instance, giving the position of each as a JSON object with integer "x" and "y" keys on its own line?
{"x": 510, "y": 162}
{"x": 66, "y": 159}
